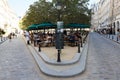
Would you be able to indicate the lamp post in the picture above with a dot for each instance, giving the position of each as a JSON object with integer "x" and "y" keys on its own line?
{"x": 59, "y": 32}
{"x": 59, "y": 7}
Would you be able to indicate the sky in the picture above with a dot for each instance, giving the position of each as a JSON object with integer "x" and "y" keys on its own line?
{"x": 21, "y": 6}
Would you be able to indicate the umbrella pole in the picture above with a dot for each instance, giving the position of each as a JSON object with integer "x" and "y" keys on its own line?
{"x": 44, "y": 30}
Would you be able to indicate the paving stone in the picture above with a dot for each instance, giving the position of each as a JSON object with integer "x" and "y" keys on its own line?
{"x": 16, "y": 62}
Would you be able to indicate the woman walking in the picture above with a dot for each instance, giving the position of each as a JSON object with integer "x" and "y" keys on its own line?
{"x": 10, "y": 36}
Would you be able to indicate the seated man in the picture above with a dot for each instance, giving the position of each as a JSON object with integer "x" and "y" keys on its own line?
{"x": 47, "y": 40}
{"x": 72, "y": 39}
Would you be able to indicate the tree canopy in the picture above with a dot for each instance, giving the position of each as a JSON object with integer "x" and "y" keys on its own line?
{"x": 73, "y": 11}
{"x": 2, "y": 32}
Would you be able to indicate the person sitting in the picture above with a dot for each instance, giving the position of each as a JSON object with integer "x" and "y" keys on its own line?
{"x": 72, "y": 39}
{"x": 47, "y": 41}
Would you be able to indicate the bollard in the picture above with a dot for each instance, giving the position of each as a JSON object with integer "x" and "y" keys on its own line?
{"x": 109, "y": 35}
{"x": 4, "y": 38}
{"x": 84, "y": 40}
{"x": 117, "y": 38}
{"x": 34, "y": 43}
{"x": 59, "y": 52}
{"x": 112, "y": 36}
{"x": 39, "y": 48}
{"x": 78, "y": 47}
{"x": 81, "y": 42}
{"x": 1, "y": 39}
{"x": 28, "y": 42}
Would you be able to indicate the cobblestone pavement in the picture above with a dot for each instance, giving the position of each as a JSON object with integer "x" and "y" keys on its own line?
{"x": 105, "y": 55}
{"x": 103, "y": 63}
{"x": 16, "y": 62}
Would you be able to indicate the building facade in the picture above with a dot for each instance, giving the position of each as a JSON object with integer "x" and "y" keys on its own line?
{"x": 8, "y": 19}
{"x": 116, "y": 14}
{"x": 106, "y": 15}
{"x": 95, "y": 18}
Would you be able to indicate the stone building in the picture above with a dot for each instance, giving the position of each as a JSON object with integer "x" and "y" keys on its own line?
{"x": 106, "y": 15}
{"x": 95, "y": 18}
{"x": 8, "y": 19}
{"x": 116, "y": 15}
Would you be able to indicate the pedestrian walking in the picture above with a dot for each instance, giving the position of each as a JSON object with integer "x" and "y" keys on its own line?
{"x": 27, "y": 35}
{"x": 118, "y": 34}
{"x": 10, "y": 36}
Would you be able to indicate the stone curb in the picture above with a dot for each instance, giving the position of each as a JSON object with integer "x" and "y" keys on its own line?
{"x": 66, "y": 73}
{"x": 68, "y": 62}
{"x": 80, "y": 68}
{"x": 75, "y": 59}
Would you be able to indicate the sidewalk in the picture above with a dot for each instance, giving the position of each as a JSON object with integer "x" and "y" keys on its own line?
{"x": 16, "y": 62}
{"x": 72, "y": 63}
{"x": 2, "y": 40}
{"x": 113, "y": 37}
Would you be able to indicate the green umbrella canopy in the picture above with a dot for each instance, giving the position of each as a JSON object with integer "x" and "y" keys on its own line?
{"x": 76, "y": 25}
{"x": 46, "y": 25}
{"x": 71, "y": 25}
{"x": 84, "y": 26}
{"x": 32, "y": 27}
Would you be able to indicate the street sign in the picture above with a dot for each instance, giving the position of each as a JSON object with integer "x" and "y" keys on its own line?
{"x": 59, "y": 43}
{"x": 59, "y": 24}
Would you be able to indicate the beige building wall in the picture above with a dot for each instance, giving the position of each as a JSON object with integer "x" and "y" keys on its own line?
{"x": 107, "y": 15}
{"x": 94, "y": 20}
{"x": 8, "y": 19}
{"x": 102, "y": 14}
{"x": 116, "y": 14}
